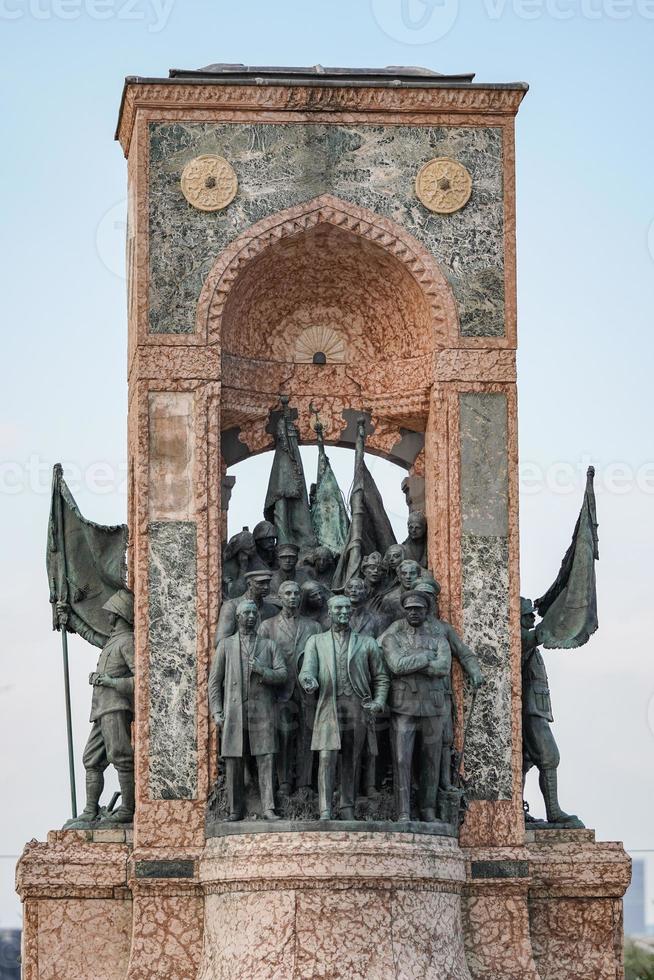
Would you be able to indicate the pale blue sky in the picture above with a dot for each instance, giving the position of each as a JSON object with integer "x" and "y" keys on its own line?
{"x": 585, "y": 206}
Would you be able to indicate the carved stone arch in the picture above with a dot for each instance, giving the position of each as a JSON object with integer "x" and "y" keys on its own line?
{"x": 329, "y": 210}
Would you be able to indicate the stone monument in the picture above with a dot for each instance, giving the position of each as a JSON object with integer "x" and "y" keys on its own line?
{"x": 344, "y": 239}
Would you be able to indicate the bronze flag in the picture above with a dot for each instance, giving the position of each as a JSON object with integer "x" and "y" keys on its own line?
{"x": 569, "y": 607}
{"x": 85, "y": 561}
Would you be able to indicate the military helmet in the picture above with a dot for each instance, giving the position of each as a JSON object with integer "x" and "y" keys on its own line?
{"x": 526, "y": 607}
{"x": 122, "y": 604}
{"x": 264, "y": 529}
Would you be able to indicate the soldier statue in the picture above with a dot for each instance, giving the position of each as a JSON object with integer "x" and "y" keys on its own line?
{"x": 469, "y": 663}
{"x": 257, "y": 588}
{"x": 112, "y": 710}
{"x": 245, "y": 672}
{"x": 265, "y": 542}
{"x": 347, "y": 671}
{"x": 289, "y": 570}
{"x": 419, "y": 659}
{"x": 539, "y": 747}
{"x": 294, "y": 708}
{"x": 240, "y": 556}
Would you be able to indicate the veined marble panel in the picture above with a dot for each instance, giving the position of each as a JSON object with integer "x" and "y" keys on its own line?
{"x": 485, "y": 589}
{"x": 279, "y": 166}
{"x": 172, "y": 643}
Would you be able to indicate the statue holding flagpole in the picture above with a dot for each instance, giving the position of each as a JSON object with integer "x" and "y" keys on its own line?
{"x": 86, "y": 574}
{"x": 569, "y": 611}
{"x": 287, "y": 503}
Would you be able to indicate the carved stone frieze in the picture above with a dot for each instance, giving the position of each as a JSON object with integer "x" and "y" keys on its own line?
{"x": 464, "y": 99}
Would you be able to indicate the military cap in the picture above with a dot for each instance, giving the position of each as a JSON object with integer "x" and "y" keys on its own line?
{"x": 427, "y": 583}
{"x": 414, "y": 597}
{"x": 288, "y": 549}
{"x": 259, "y": 573}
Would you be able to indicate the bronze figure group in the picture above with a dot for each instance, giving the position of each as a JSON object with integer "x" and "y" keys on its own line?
{"x": 333, "y": 692}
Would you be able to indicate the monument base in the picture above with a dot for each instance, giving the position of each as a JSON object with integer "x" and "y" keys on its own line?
{"x": 331, "y": 902}
{"x": 338, "y": 905}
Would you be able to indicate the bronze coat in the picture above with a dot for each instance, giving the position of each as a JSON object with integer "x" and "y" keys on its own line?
{"x": 226, "y": 695}
{"x": 367, "y": 675}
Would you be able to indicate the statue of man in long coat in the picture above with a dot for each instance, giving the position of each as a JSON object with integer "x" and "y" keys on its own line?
{"x": 245, "y": 671}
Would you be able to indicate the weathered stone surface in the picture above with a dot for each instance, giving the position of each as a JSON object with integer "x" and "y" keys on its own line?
{"x": 335, "y": 905}
{"x": 172, "y": 588}
{"x": 485, "y": 588}
{"x": 279, "y": 166}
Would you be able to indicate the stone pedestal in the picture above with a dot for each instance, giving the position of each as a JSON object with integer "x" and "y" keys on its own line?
{"x": 77, "y": 907}
{"x": 575, "y": 905}
{"x": 337, "y": 905}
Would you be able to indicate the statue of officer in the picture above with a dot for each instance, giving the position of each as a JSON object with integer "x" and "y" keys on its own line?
{"x": 419, "y": 660}
{"x": 289, "y": 570}
{"x": 112, "y": 710}
{"x": 245, "y": 671}
{"x": 257, "y": 588}
{"x": 539, "y": 747}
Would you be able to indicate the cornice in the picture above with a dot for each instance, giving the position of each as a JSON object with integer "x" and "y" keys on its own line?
{"x": 193, "y": 96}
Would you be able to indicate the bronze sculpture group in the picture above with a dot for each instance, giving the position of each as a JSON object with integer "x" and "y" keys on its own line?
{"x": 331, "y": 662}
{"x": 318, "y": 679}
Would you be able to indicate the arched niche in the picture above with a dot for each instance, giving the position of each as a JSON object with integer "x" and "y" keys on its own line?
{"x": 331, "y": 303}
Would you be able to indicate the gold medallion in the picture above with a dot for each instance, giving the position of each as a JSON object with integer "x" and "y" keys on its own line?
{"x": 443, "y": 185}
{"x": 209, "y": 183}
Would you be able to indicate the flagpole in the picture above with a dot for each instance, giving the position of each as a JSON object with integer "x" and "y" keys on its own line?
{"x": 64, "y": 647}
{"x": 69, "y": 723}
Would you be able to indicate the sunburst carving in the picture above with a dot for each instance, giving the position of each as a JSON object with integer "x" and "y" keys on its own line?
{"x": 316, "y": 341}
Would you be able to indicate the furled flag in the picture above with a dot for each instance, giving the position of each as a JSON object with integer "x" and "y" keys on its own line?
{"x": 85, "y": 561}
{"x": 328, "y": 513}
{"x": 370, "y": 528}
{"x": 287, "y": 504}
{"x": 569, "y": 607}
